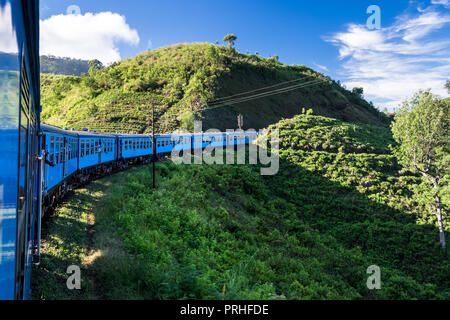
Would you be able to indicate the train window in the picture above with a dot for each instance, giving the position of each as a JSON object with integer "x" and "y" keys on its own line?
{"x": 57, "y": 150}
{"x": 92, "y": 146}
{"x": 52, "y": 148}
{"x": 159, "y": 143}
{"x": 68, "y": 149}
{"x": 82, "y": 148}
{"x": 88, "y": 148}
{"x": 61, "y": 149}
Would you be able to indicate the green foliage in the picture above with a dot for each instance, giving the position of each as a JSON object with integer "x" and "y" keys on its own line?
{"x": 358, "y": 91}
{"x": 230, "y": 38}
{"x": 183, "y": 78}
{"x": 309, "y": 232}
{"x": 64, "y": 66}
{"x": 422, "y": 130}
{"x": 95, "y": 65}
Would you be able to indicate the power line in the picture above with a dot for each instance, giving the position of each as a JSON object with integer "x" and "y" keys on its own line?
{"x": 261, "y": 95}
{"x": 228, "y": 102}
{"x": 259, "y": 89}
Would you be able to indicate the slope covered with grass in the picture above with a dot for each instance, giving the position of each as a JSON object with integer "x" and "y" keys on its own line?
{"x": 338, "y": 205}
{"x": 180, "y": 80}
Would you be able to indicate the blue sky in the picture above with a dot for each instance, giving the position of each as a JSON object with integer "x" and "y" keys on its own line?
{"x": 410, "y": 51}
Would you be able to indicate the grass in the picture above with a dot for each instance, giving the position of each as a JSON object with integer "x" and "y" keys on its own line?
{"x": 225, "y": 232}
{"x": 179, "y": 80}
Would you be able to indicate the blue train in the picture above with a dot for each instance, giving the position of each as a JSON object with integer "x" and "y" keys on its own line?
{"x": 39, "y": 163}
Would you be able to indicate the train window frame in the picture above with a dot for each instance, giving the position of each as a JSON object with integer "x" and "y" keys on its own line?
{"x": 82, "y": 148}
{"x": 52, "y": 147}
{"x": 56, "y": 150}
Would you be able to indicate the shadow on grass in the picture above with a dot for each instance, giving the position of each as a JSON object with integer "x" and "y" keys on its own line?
{"x": 408, "y": 254}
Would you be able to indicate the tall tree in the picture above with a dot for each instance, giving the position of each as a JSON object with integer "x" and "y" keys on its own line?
{"x": 358, "y": 90}
{"x": 447, "y": 86}
{"x": 422, "y": 130}
{"x": 230, "y": 38}
{"x": 95, "y": 65}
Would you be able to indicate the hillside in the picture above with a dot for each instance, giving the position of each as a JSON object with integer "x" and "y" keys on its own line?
{"x": 64, "y": 66}
{"x": 338, "y": 204}
{"x": 180, "y": 80}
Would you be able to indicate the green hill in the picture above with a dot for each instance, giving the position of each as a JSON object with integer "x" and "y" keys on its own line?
{"x": 339, "y": 204}
{"x": 65, "y": 66}
{"x": 180, "y": 80}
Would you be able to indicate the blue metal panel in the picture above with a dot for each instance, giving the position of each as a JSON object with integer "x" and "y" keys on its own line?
{"x": 19, "y": 55}
{"x": 95, "y": 149}
{"x": 164, "y": 143}
{"x": 136, "y": 145}
{"x": 182, "y": 142}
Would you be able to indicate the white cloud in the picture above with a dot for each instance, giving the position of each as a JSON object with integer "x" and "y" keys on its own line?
{"x": 86, "y": 36}
{"x": 394, "y": 62}
{"x": 8, "y": 43}
{"x": 445, "y": 3}
{"x": 324, "y": 68}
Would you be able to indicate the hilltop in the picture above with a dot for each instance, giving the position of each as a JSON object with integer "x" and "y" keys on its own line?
{"x": 338, "y": 205}
{"x": 64, "y": 66}
{"x": 180, "y": 80}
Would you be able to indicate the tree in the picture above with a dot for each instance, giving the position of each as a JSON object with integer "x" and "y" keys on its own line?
{"x": 447, "y": 86}
{"x": 421, "y": 128}
{"x": 230, "y": 38}
{"x": 358, "y": 90}
{"x": 95, "y": 65}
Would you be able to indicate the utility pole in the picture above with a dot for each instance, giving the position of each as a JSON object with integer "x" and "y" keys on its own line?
{"x": 240, "y": 119}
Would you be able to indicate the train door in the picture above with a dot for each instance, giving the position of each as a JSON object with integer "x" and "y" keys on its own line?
{"x": 64, "y": 156}
{"x": 99, "y": 150}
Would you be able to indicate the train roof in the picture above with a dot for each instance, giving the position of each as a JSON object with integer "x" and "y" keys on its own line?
{"x": 49, "y": 128}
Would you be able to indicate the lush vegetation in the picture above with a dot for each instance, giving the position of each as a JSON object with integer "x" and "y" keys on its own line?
{"x": 339, "y": 203}
{"x": 180, "y": 80}
{"x": 422, "y": 129}
{"x": 64, "y": 66}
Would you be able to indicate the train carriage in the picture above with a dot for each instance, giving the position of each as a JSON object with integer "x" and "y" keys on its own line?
{"x": 60, "y": 152}
{"x": 164, "y": 143}
{"x": 131, "y": 146}
{"x": 182, "y": 141}
{"x": 95, "y": 148}
{"x": 19, "y": 146}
